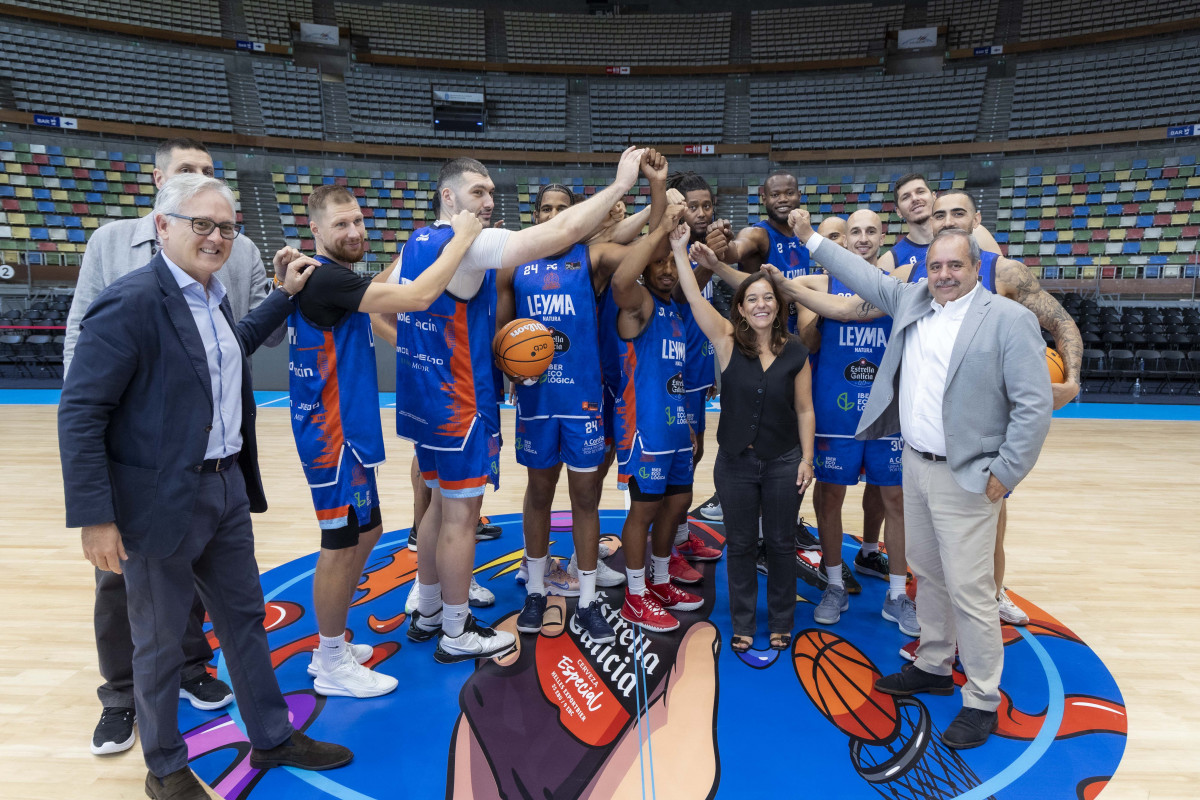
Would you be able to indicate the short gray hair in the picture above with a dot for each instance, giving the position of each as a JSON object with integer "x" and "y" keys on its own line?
{"x": 176, "y": 192}
{"x": 972, "y": 245}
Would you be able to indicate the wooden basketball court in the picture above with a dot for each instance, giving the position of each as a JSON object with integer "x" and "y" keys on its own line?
{"x": 1102, "y": 535}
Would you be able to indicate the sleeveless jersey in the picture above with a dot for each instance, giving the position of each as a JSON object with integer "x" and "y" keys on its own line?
{"x": 445, "y": 381}
{"x": 558, "y": 293}
{"x": 699, "y": 371}
{"x": 905, "y": 252}
{"x": 785, "y": 252}
{"x": 650, "y": 404}
{"x": 987, "y": 270}
{"x": 610, "y": 343}
{"x": 849, "y": 358}
{"x": 334, "y": 393}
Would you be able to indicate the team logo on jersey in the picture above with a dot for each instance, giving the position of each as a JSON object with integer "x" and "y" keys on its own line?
{"x": 676, "y": 329}
{"x": 675, "y": 384}
{"x": 844, "y": 402}
{"x": 861, "y": 372}
{"x": 561, "y": 343}
{"x": 574, "y": 264}
{"x": 552, "y": 282}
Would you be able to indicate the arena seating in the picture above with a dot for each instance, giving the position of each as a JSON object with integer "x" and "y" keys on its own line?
{"x": 75, "y": 75}
{"x": 269, "y": 21}
{"x": 1138, "y": 219}
{"x": 627, "y": 112}
{"x": 970, "y": 23}
{"x": 816, "y": 33}
{"x": 416, "y": 31}
{"x": 1139, "y": 87}
{"x": 52, "y": 198}
{"x": 290, "y": 99}
{"x": 805, "y": 113}
{"x": 537, "y": 38}
{"x": 391, "y": 106}
{"x": 201, "y": 17}
{"x": 1052, "y": 19}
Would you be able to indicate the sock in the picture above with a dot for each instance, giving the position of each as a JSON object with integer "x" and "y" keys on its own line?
{"x": 834, "y": 573}
{"x": 682, "y": 533}
{"x": 587, "y": 587}
{"x": 636, "y": 579}
{"x": 896, "y": 586}
{"x": 454, "y": 619}
{"x": 332, "y": 648}
{"x": 536, "y": 582}
{"x": 660, "y": 571}
{"x": 429, "y": 598}
{"x": 869, "y": 547}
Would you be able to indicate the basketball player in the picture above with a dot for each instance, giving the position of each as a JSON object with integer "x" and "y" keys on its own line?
{"x": 769, "y": 240}
{"x": 834, "y": 229}
{"x": 447, "y": 396}
{"x": 335, "y": 417}
{"x": 559, "y": 415}
{"x": 914, "y": 204}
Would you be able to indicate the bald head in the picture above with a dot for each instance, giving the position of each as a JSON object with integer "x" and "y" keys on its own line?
{"x": 864, "y": 234}
{"x": 833, "y": 229}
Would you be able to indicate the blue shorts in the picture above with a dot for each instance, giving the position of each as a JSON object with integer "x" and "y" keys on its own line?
{"x": 348, "y": 506}
{"x": 654, "y": 471}
{"x": 841, "y": 460}
{"x": 546, "y": 442}
{"x": 694, "y": 403}
{"x": 464, "y": 472}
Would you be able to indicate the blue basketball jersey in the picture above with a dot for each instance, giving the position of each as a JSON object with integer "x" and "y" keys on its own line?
{"x": 905, "y": 253}
{"x": 699, "y": 371}
{"x": 334, "y": 393}
{"x": 445, "y": 380}
{"x": 610, "y": 343}
{"x": 987, "y": 270}
{"x": 842, "y": 376}
{"x": 650, "y": 403}
{"x": 558, "y": 293}
{"x": 785, "y": 252}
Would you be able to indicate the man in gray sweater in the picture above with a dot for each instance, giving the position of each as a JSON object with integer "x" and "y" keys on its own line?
{"x": 114, "y": 250}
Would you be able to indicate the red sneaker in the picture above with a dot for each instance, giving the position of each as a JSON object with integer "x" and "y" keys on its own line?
{"x": 695, "y": 549}
{"x": 671, "y": 596}
{"x": 645, "y": 612}
{"x": 909, "y": 651}
{"x": 681, "y": 571}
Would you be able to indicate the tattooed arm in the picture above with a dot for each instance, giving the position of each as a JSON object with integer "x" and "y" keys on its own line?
{"x": 1016, "y": 282}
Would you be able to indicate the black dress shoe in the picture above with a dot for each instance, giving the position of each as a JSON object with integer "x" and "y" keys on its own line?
{"x": 303, "y": 753}
{"x": 970, "y": 728}
{"x": 179, "y": 785}
{"x": 911, "y": 679}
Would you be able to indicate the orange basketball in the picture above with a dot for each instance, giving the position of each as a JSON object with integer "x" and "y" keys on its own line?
{"x": 1058, "y": 367}
{"x": 523, "y": 349}
{"x": 840, "y": 681}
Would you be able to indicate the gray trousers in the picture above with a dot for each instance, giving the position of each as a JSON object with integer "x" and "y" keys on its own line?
{"x": 216, "y": 558}
{"x": 114, "y": 642}
{"x": 950, "y": 541}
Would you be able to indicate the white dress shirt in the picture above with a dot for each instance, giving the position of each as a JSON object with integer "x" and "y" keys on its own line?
{"x": 927, "y": 349}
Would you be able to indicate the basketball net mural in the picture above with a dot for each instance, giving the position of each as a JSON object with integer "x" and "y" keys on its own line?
{"x": 675, "y": 715}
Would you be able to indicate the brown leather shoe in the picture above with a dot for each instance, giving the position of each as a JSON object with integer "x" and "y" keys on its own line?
{"x": 303, "y": 753}
{"x": 181, "y": 784}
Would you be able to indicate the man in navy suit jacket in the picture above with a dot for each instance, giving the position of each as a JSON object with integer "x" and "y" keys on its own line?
{"x": 156, "y": 435}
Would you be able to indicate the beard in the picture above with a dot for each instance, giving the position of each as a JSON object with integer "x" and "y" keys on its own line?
{"x": 347, "y": 255}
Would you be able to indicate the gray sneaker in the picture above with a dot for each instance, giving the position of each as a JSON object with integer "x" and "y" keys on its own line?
{"x": 903, "y": 612}
{"x": 834, "y": 601}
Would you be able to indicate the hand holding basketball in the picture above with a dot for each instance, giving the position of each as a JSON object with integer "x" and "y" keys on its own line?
{"x": 1058, "y": 368}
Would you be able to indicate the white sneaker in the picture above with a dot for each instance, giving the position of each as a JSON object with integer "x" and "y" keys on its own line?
{"x": 606, "y": 576}
{"x": 479, "y": 597}
{"x": 560, "y": 582}
{"x": 1009, "y": 612}
{"x": 362, "y": 654}
{"x": 605, "y": 552}
{"x": 523, "y": 572}
{"x": 414, "y": 598}
{"x": 476, "y": 641}
{"x": 348, "y": 678}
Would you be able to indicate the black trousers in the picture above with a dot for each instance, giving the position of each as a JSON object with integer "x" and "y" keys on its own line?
{"x": 216, "y": 558}
{"x": 751, "y": 489}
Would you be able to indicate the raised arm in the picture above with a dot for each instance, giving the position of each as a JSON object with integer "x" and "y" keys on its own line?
{"x": 574, "y": 224}
{"x": 654, "y": 167}
{"x": 716, "y": 328}
{"x": 634, "y": 300}
{"x": 394, "y": 298}
{"x": 871, "y": 284}
{"x": 705, "y": 257}
{"x": 1016, "y": 282}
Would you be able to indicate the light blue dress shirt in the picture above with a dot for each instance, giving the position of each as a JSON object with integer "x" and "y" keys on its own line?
{"x": 224, "y": 357}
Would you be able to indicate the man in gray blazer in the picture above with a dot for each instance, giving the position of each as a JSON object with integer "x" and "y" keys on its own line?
{"x": 964, "y": 380}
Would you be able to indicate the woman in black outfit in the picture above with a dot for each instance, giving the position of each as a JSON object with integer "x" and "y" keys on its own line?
{"x": 765, "y": 437}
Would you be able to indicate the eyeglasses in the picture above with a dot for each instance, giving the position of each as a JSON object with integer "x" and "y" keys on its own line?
{"x": 202, "y": 226}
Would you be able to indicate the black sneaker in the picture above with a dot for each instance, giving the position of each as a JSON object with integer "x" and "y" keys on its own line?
{"x": 804, "y": 538}
{"x": 592, "y": 620}
{"x": 114, "y": 732}
{"x": 206, "y": 692}
{"x": 848, "y": 580}
{"x": 970, "y": 728}
{"x": 530, "y": 618}
{"x": 420, "y": 633}
{"x": 486, "y": 531}
{"x": 412, "y": 540}
{"x": 911, "y": 680}
{"x": 874, "y": 564}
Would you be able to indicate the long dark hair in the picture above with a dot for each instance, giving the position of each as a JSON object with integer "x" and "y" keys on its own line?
{"x": 743, "y": 336}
